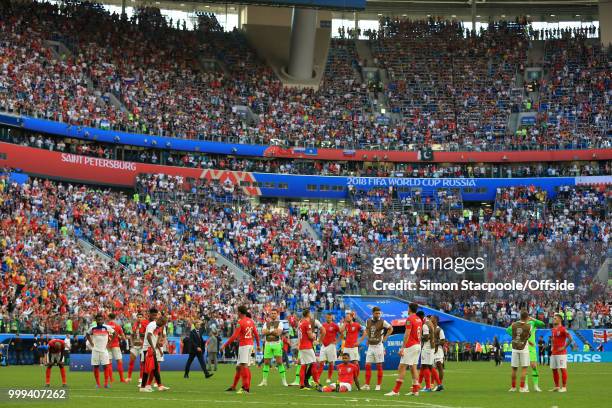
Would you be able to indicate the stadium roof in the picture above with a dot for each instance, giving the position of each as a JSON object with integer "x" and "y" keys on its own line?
{"x": 537, "y": 10}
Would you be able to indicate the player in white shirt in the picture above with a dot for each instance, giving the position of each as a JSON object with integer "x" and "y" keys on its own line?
{"x": 162, "y": 341}
{"x": 98, "y": 337}
{"x": 153, "y": 348}
{"x": 377, "y": 331}
{"x": 439, "y": 340}
{"x": 427, "y": 353}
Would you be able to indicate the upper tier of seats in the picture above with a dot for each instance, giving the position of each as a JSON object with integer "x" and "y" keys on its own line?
{"x": 145, "y": 76}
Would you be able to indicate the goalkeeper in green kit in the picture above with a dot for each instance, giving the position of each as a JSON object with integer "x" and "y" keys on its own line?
{"x": 533, "y": 353}
{"x": 273, "y": 348}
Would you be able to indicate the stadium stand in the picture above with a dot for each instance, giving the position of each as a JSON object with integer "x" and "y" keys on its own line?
{"x": 92, "y": 75}
{"x": 157, "y": 244}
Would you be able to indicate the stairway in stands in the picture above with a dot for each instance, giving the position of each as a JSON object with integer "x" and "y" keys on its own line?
{"x": 582, "y": 339}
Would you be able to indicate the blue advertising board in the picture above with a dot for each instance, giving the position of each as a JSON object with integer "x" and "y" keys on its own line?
{"x": 336, "y": 187}
{"x": 581, "y": 357}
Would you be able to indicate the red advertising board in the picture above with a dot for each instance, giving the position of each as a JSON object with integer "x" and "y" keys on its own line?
{"x": 87, "y": 169}
{"x": 443, "y": 157}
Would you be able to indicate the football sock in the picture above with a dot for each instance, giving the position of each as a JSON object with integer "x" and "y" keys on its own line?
{"x": 131, "y": 368}
{"x": 379, "y": 377}
{"x": 535, "y": 377}
{"x": 96, "y": 371}
{"x": 302, "y": 375}
{"x": 248, "y": 378}
{"x": 398, "y": 385}
{"x": 298, "y": 375}
{"x": 237, "y": 375}
{"x": 436, "y": 376}
{"x": 282, "y": 371}
{"x": 368, "y": 374}
{"x": 63, "y": 374}
{"x": 564, "y": 376}
{"x": 244, "y": 377}
{"x": 316, "y": 373}
{"x": 427, "y": 375}
{"x": 307, "y": 375}
{"x": 266, "y": 371}
{"x": 120, "y": 369}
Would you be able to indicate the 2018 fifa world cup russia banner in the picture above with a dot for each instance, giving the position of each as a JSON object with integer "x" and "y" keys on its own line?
{"x": 102, "y": 171}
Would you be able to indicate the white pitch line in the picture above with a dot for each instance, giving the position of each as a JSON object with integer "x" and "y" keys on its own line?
{"x": 241, "y": 401}
{"x": 388, "y": 400}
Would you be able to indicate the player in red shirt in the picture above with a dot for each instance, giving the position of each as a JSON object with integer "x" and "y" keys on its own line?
{"x": 328, "y": 352}
{"x": 561, "y": 340}
{"x": 115, "y": 349}
{"x": 351, "y": 329}
{"x": 410, "y": 353}
{"x": 55, "y": 355}
{"x": 245, "y": 333}
{"x": 138, "y": 331}
{"x": 347, "y": 374}
{"x": 308, "y": 358}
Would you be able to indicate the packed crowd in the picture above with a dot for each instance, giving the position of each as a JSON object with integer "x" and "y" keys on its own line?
{"x": 309, "y": 167}
{"x": 577, "y": 315}
{"x": 163, "y": 259}
{"x": 593, "y": 201}
{"x": 141, "y": 75}
{"x": 517, "y": 245}
{"x": 161, "y": 87}
{"x": 465, "y": 105}
{"x": 43, "y": 264}
{"x": 162, "y": 252}
{"x": 575, "y": 100}
{"x": 470, "y": 103}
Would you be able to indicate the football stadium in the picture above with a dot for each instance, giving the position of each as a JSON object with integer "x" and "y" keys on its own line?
{"x": 310, "y": 203}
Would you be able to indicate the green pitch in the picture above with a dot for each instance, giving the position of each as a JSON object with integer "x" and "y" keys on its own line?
{"x": 467, "y": 385}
